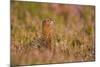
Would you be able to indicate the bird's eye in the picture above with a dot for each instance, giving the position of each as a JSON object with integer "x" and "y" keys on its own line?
{"x": 48, "y": 20}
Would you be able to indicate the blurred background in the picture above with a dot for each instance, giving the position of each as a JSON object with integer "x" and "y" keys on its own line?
{"x": 75, "y": 32}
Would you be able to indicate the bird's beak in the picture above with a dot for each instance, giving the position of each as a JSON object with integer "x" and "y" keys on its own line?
{"x": 51, "y": 22}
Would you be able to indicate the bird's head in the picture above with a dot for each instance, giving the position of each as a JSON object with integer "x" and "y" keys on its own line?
{"x": 49, "y": 21}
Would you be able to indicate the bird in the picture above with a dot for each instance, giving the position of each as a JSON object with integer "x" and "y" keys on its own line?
{"x": 48, "y": 32}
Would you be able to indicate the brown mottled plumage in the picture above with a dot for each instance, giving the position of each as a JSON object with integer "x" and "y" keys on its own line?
{"x": 48, "y": 32}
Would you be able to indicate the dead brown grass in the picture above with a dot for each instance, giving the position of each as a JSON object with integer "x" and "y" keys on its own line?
{"x": 74, "y": 39}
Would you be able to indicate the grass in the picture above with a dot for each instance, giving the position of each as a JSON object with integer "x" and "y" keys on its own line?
{"x": 74, "y": 27}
